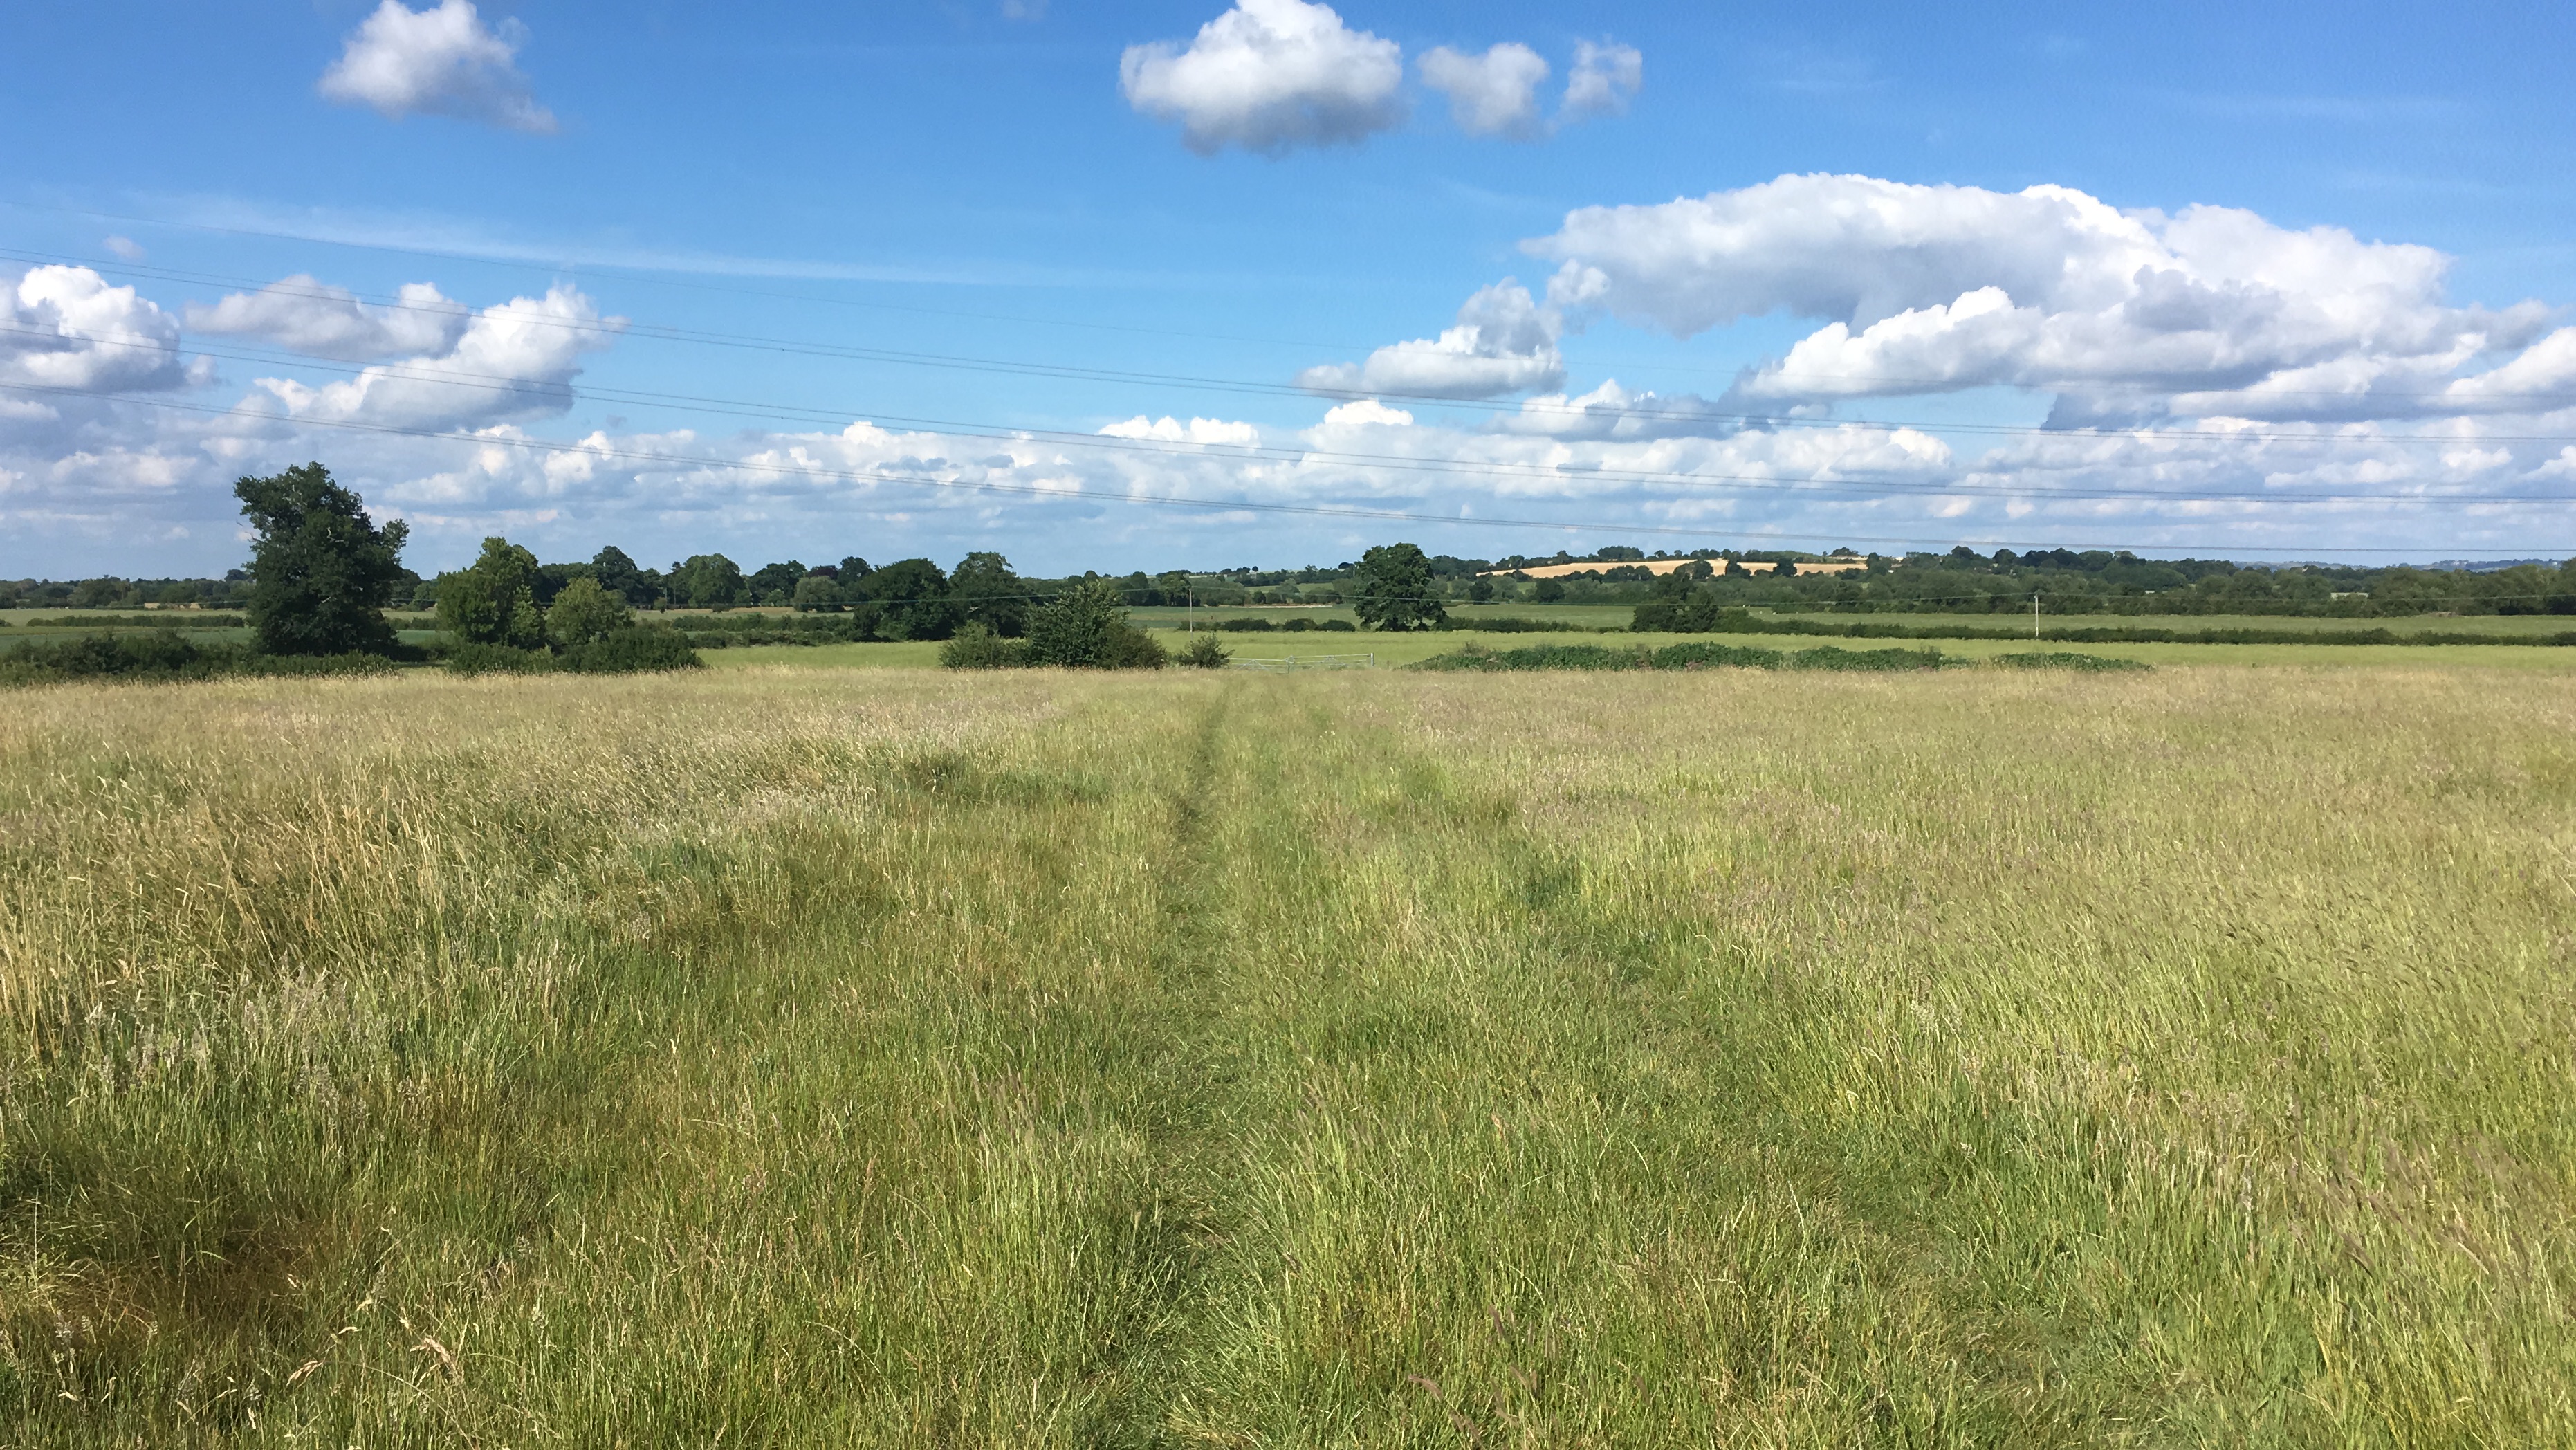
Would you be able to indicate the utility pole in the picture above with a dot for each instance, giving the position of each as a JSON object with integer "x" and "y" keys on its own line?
{"x": 2034, "y": 616}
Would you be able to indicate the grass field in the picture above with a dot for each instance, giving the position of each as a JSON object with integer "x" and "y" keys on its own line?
{"x": 826, "y": 1057}
{"x": 1400, "y": 649}
{"x": 1616, "y": 616}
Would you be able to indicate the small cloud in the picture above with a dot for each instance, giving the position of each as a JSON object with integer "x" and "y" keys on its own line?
{"x": 442, "y": 62}
{"x": 1365, "y": 412}
{"x": 1173, "y": 430}
{"x": 1269, "y": 75}
{"x": 1605, "y": 77}
{"x": 1031, "y": 10}
{"x": 1494, "y": 94}
{"x": 320, "y": 320}
{"x": 65, "y": 327}
{"x": 126, "y": 248}
{"x": 1504, "y": 343}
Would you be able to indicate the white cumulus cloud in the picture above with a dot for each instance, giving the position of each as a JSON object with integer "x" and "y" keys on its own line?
{"x": 444, "y": 62}
{"x": 64, "y": 327}
{"x": 1604, "y": 78}
{"x": 1504, "y": 342}
{"x": 1616, "y": 413}
{"x": 1172, "y": 430}
{"x": 316, "y": 318}
{"x": 1494, "y": 94}
{"x": 1268, "y": 75}
{"x": 1938, "y": 288}
{"x": 1366, "y": 413}
{"x": 514, "y": 360}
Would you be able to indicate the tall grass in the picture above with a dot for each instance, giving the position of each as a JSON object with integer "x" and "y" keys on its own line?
{"x": 810, "y": 1058}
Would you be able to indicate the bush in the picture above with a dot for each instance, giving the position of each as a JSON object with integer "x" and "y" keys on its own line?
{"x": 191, "y": 620}
{"x": 977, "y": 647}
{"x": 1130, "y": 648}
{"x": 1204, "y": 653}
{"x": 475, "y": 658}
{"x": 634, "y": 650}
{"x": 166, "y": 656}
{"x": 1086, "y": 627}
{"x": 159, "y": 656}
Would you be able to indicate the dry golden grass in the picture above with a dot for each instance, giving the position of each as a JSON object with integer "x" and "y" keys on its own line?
{"x": 889, "y": 1057}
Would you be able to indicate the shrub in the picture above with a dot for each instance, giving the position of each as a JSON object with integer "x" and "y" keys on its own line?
{"x": 1204, "y": 653}
{"x": 1130, "y": 648}
{"x": 633, "y": 650}
{"x": 472, "y": 658}
{"x": 163, "y": 656}
{"x": 977, "y": 647}
{"x": 1086, "y": 627}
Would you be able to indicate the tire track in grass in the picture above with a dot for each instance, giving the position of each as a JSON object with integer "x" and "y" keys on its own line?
{"x": 1192, "y": 1104}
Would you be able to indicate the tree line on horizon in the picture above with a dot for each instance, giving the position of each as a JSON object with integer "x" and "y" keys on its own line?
{"x": 916, "y": 599}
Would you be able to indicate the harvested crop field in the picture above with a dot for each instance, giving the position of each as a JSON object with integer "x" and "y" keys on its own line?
{"x": 833, "y": 1057}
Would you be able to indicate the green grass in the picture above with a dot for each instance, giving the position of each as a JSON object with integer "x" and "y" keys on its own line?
{"x": 817, "y": 1057}
{"x": 1392, "y": 650}
{"x": 2505, "y": 624}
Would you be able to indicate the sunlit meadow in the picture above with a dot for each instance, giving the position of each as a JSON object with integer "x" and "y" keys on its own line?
{"x": 811, "y": 1057}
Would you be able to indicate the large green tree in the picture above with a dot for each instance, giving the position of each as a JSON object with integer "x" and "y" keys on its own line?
{"x": 617, "y": 573}
{"x": 1394, "y": 589}
{"x": 776, "y": 583}
{"x": 495, "y": 601}
{"x": 913, "y": 597}
{"x": 585, "y": 613}
{"x": 321, "y": 571}
{"x": 986, "y": 592}
{"x": 708, "y": 581}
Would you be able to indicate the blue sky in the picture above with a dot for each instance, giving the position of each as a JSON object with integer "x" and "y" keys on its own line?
{"x": 695, "y": 245}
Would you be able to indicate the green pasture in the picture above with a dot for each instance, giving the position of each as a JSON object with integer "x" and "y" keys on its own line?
{"x": 809, "y": 1057}
{"x": 1399, "y": 649}
{"x": 2501, "y": 624}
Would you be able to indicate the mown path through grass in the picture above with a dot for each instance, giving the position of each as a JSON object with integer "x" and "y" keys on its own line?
{"x": 1959, "y": 1059}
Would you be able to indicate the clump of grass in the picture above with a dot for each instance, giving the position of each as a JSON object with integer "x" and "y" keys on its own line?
{"x": 1055, "y": 1058}
{"x": 2064, "y": 660}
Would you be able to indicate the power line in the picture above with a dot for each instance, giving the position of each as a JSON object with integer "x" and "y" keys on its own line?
{"x": 1170, "y": 500}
